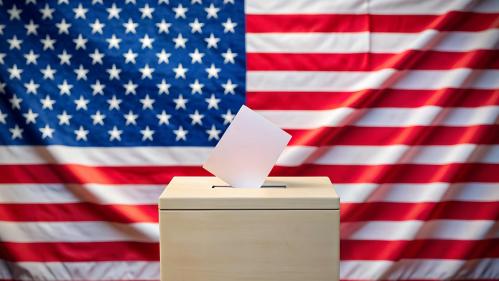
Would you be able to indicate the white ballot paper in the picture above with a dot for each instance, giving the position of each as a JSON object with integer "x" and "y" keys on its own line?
{"x": 247, "y": 151}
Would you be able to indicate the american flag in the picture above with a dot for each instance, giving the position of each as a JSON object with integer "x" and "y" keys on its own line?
{"x": 102, "y": 102}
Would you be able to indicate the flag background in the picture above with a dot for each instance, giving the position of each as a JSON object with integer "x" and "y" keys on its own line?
{"x": 395, "y": 100}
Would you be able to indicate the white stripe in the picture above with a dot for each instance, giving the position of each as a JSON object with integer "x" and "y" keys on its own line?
{"x": 416, "y": 229}
{"x": 419, "y": 269}
{"x": 383, "y": 117}
{"x": 292, "y": 156}
{"x": 389, "y": 154}
{"x": 109, "y": 156}
{"x": 390, "y": 7}
{"x": 351, "y": 81}
{"x": 148, "y": 194}
{"x": 349, "y": 270}
{"x": 95, "y": 231}
{"x": 74, "y": 193}
{"x": 417, "y": 193}
{"x": 63, "y": 271}
{"x": 374, "y": 42}
{"x": 148, "y": 232}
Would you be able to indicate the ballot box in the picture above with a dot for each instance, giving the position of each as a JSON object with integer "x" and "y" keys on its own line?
{"x": 287, "y": 230}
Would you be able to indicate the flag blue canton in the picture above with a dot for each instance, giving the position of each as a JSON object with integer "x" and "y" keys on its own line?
{"x": 122, "y": 73}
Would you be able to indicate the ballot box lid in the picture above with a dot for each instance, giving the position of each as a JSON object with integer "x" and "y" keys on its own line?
{"x": 211, "y": 193}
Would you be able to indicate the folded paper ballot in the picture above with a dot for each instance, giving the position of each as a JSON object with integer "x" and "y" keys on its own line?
{"x": 247, "y": 151}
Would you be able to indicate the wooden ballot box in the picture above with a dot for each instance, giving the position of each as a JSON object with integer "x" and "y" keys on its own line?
{"x": 287, "y": 230}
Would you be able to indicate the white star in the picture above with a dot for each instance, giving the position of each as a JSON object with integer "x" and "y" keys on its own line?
{"x": 98, "y": 2}
{"x": 97, "y": 88}
{"x": 81, "y": 73}
{"x": 47, "y": 132}
{"x": 180, "y": 71}
{"x": 47, "y": 102}
{"x": 61, "y": 2}
{"x": 48, "y": 43}
{"x": 65, "y": 58}
{"x": 147, "y": 102}
{"x": 63, "y": 27}
{"x": 47, "y": 12}
{"x": 15, "y": 13}
{"x": 30, "y": 116}
{"x": 15, "y": 102}
{"x": 163, "y": 118}
{"x": 228, "y": 1}
{"x": 196, "y": 26}
{"x": 80, "y": 12}
{"x": 180, "y": 102}
{"x": 163, "y": 56}
{"x": 146, "y": 41}
{"x": 213, "y": 133}
{"x": 196, "y": 56}
{"x": 229, "y": 56}
{"x": 97, "y": 27}
{"x": 229, "y": 87}
{"x": 2, "y": 87}
{"x": 180, "y": 11}
{"x": 146, "y": 11}
{"x": 180, "y": 41}
{"x": 229, "y": 26}
{"x": 211, "y": 11}
{"x": 130, "y": 118}
{"x": 81, "y": 103}
{"x": 16, "y": 132}
{"x": 114, "y": 72}
{"x": 212, "y": 102}
{"x": 114, "y": 103}
{"x": 196, "y": 2}
{"x": 80, "y": 42}
{"x": 2, "y": 27}
{"x": 180, "y": 134}
{"x": 130, "y": 87}
{"x": 98, "y": 118}
{"x": 115, "y": 134}
{"x": 163, "y": 87}
{"x": 146, "y": 71}
{"x": 228, "y": 117}
{"x": 65, "y": 88}
{"x": 130, "y": 1}
{"x": 96, "y": 57}
{"x": 114, "y": 12}
{"x": 130, "y": 26}
{"x": 212, "y": 41}
{"x": 31, "y": 87}
{"x": 14, "y": 43}
{"x": 114, "y": 42}
{"x": 163, "y": 26}
{"x": 31, "y": 28}
{"x": 147, "y": 134}
{"x": 212, "y": 71}
{"x": 196, "y": 118}
{"x": 163, "y": 1}
{"x": 130, "y": 56}
{"x": 64, "y": 118}
{"x": 2, "y": 56}
{"x": 15, "y": 72}
{"x": 48, "y": 72}
{"x": 3, "y": 116}
{"x": 31, "y": 57}
{"x": 196, "y": 87}
{"x": 81, "y": 134}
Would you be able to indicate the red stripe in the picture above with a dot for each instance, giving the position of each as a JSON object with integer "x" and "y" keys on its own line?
{"x": 371, "y": 99}
{"x": 79, "y": 212}
{"x": 417, "y": 135}
{"x": 399, "y": 173}
{"x": 350, "y": 250}
{"x": 80, "y": 251}
{"x": 408, "y": 60}
{"x": 418, "y": 249}
{"x": 351, "y": 212}
{"x": 452, "y": 21}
